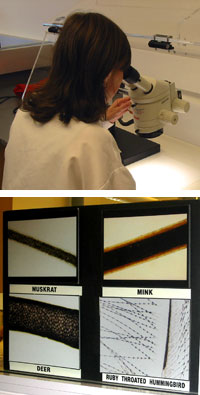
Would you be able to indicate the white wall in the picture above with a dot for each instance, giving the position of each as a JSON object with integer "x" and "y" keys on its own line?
{"x": 25, "y": 17}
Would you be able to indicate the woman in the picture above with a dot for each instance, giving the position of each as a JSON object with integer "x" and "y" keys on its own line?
{"x": 57, "y": 140}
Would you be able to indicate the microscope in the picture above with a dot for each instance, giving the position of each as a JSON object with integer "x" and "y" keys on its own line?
{"x": 155, "y": 103}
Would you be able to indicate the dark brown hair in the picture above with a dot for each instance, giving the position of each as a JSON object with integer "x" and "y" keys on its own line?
{"x": 88, "y": 48}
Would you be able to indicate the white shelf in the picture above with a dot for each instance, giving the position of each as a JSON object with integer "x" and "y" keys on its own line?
{"x": 13, "y": 384}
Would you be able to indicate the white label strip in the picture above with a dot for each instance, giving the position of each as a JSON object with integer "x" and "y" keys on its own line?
{"x": 45, "y": 289}
{"x": 163, "y": 293}
{"x": 44, "y": 369}
{"x": 153, "y": 382}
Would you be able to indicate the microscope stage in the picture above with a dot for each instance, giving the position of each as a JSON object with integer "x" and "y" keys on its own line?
{"x": 133, "y": 148}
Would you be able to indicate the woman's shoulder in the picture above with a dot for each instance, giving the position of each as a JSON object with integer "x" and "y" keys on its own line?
{"x": 93, "y": 131}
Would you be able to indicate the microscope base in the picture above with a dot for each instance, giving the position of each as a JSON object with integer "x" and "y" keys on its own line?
{"x": 133, "y": 148}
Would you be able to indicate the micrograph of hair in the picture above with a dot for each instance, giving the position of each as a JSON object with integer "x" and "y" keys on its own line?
{"x": 134, "y": 337}
{"x": 42, "y": 246}
{"x": 147, "y": 246}
{"x": 45, "y": 320}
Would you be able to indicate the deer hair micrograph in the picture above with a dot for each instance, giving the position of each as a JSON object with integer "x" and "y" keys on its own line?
{"x": 43, "y": 319}
{"x": 151, "y": 245}
{"x": 42, "y": 246}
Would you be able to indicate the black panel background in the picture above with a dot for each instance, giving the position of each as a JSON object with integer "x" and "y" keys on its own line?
{"x": 90, "y": 252}
{"x": 195, "y": 301}
{"x": 90, "y": 278}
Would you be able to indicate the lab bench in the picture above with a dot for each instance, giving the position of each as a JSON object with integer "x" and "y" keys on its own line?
{"x": 175, "y": 167}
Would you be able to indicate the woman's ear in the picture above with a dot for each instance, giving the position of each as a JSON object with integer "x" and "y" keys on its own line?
{"x": 107, "y": 79}
{"x": 112, "y": 83}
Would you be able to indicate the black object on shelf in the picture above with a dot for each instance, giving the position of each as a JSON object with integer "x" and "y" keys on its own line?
{"x": 133, "y": 148}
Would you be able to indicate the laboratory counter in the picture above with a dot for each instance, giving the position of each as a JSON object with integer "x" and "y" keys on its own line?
{"x": 175, "y": 167}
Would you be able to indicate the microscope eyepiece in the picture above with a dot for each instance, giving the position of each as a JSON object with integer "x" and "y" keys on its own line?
{"x": 131, "y": 75}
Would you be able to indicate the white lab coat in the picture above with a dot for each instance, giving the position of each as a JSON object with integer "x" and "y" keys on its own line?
{"x": 61, "y": 157}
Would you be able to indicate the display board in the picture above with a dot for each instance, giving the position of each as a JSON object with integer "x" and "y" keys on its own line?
{"x": 105, "y": 294}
